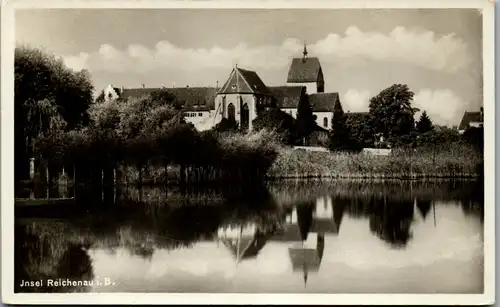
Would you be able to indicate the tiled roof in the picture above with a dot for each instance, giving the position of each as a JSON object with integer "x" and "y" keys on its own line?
{"x": 468, "y": 118}
{"x": 244, "y": 81}
{"x": 301, "y": 70}
{"x": 195, "y": 98}
{"x": 287, "y": 96}
{"x": 323, "y": 102}
{"x": 137, "y": 92}
{"x": 189, "y": 98}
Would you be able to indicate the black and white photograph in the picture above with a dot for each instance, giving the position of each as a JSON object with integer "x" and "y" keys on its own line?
{"x": 321, "y": 152}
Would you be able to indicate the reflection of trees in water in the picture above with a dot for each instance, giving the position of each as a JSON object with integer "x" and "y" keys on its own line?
{"x": 75, "y": 264}
{"x": 141, "y": 227}
{"x": 424, "y": 206}
{"x": 292, "y": 192}
{"x": 40, "y": 254}
{"x": 391, "y": 221}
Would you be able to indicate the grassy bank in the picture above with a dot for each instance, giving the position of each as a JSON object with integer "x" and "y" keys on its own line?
{"x": 455, "y": 161}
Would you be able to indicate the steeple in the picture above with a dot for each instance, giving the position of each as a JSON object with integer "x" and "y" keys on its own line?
{"x": 304, "y": 53}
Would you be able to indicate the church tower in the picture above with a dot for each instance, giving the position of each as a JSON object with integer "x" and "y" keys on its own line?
{"x": 241, "y": 97}
{"x": 306, "y": 71}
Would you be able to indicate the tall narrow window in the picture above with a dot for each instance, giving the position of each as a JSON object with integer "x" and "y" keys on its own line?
{"x": 245, "y": 117}
{"x": 325, "y": 122}
{"x": 231, "y": 112}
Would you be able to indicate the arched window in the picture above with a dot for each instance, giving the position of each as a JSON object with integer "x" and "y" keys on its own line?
{"x": 325, "y": 122}
{"x": 245, "y": 117}
{"x": 223, "y": 107}
{"x": 231, "y": 112}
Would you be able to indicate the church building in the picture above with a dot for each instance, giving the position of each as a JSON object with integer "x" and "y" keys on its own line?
{"x": 244, "y": 93}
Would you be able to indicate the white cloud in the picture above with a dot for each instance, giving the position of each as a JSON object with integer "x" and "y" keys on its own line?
{"x": 76, "y": 62}
{"x": 356, "y": 100}
{"x": 443, "y": 106}
{"x": 447, "y": 54}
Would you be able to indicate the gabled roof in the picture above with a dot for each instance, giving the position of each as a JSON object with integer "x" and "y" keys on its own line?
{"x": 287, "y": 96}
{"x": 189, "y": 98}
{"x": 244, "y": 81}
{"x": 468, "y": 118}
{"x": 304, "y": 70}
{"x": 137, "y": 92}
{"x": 323, "y": 102}
{"x": 195, "y": 98}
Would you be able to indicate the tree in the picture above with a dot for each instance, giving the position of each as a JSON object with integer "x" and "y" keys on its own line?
{"x": 339, "y": 136}
{"x": 45, "y": 92}
{"x": 306, "y": 120}
{"x": 424, "y": 124}
{"x": 391, "y": 113}
{"x": 475, "y": 137}
{"x": 360, "y": 129}
{"x": 274, "y": 119}
{"x": 164, "y": 97}
{"x": 227, "y": 125}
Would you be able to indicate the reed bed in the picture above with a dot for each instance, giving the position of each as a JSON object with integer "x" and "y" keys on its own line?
{"x": 457, "y": 161}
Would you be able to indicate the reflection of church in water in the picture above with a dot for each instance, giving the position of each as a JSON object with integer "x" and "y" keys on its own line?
{"x": 304, "y": 230}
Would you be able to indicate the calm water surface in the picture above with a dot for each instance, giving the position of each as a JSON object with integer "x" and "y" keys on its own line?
{"x": 290, "y": 237}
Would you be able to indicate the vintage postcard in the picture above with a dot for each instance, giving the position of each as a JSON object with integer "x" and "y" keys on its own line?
{"x": 248, "y": 152}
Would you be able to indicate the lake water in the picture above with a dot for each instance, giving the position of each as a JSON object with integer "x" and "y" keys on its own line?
{"x": 288, "y": 237}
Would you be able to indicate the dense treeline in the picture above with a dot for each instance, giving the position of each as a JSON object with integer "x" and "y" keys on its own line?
{"x": 147, "y": 132}
{"x": 59, "y": 125}
{"x": 390, "y": 123}
{"x": 47, "y": 96}
{"x": 104, "y": 142}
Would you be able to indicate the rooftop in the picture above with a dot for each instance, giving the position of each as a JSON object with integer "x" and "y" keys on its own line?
{"x": 304, "y": 70}
{"x": 323, "y": 102}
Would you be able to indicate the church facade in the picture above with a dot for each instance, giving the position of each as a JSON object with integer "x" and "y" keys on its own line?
{"x": 244, "y": 93}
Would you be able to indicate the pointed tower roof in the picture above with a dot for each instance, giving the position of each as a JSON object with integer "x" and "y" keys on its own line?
{"x": 242, "y": 81}
{"x": 305, "y": 69}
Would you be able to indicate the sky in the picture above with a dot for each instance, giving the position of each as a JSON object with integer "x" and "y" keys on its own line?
{"x": 436, "y": 52}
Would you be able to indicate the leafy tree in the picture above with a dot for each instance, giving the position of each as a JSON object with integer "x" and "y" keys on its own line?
{"x": 339, "y": 136}
{"x": 46, "y": 91}
{"x": 164, "y": 97}
{"x": 306, "y": 120}
{"x": 274, "y": 119}
{"x": 360, "y": 129}
{"x": 227, "y": 125}
{"x": 424, "y": 124}
{"x": 391, "y": 112}
{"x": 475, "y": 137}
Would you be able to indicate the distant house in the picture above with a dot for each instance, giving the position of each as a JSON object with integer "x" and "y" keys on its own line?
{"x": 244, "y": 93}
{"x": 471, "y": 119}
{"x": 322, "y": 105}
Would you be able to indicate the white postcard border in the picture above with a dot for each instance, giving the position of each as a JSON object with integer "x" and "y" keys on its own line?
{"x": 7, "y": 165}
